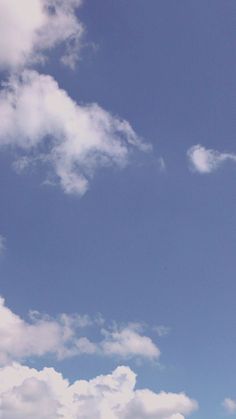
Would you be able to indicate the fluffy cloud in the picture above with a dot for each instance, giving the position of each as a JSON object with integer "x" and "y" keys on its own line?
{"x": 28, "y": 28}
{"x": 38, "y": 118}
{"x": 27, "y": 393}
{"x": 128, "y": 342}
{"x": 42, "y": 335}
{"x": 204, "y": 160}
{"x": 45, "y": 394}
{"x": 41, "y": 120}
{"x": 65, "y": 337}
{"x": 229, "y": 405}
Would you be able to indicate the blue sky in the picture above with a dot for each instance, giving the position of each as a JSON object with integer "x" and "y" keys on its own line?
{"x": 150, "y": 241}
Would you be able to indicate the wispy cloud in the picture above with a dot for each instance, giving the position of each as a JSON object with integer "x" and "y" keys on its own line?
{"x": 162, "y": 164}
{"x": 162, "y": 330}
{"x": 229, "y": 405}
{"x": 204, "y": 160}
{"x": 2, "y": 244}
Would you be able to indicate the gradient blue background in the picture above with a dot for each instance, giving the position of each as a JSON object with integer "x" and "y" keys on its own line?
{"x": 142, "y": 245}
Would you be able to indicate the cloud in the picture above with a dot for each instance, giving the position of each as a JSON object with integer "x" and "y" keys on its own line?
{"x": 26, "y": 393}
{"x": 128, "y": 342}
{"x": 64, "y": 336}
{"x": 30, "y": 28}
{"x": 229, "y": 405}
{"x": 162, "y": 330}
{"x": 2, "y": 244}
{"x": 42, "y": 335}
{"x": 204, "y": 160}
{"x": 41, "y": 120}
{"x": 162, "y": 164}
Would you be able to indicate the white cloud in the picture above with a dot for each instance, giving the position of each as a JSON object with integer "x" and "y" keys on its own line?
{"x": 204, "y": 160}
{"x": 229, "y": 405}
{"x": 65, "y": 337}
{"x": 40, "y": 119}
{"x": 21, "y": 339}
{"x": 2, "y": 244}
{"x": 26, "y": 393}
{"x": 128, "y": 342}
{"x": 28, "y": 28}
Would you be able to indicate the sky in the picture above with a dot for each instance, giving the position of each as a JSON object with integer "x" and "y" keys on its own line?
{"x": 117, "y": 215}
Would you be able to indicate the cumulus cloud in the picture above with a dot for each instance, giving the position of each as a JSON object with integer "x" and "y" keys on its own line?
{"x": 2, "y": 244}
{"x": 229, "y": 405}
{"x": 26, "y": 393}
{"x": 204, "y": 160}
{"x": 29, "y": 28}
{"x": 65, "y": 336}
{"x": 41, "y": 120}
